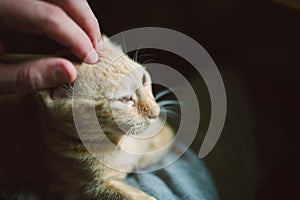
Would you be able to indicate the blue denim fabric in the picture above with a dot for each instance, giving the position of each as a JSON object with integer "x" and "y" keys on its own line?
{"x": 186, "y": 179}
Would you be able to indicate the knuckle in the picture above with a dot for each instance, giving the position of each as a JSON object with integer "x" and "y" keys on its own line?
{"x": 51, "y": 15}
{"x": 27, "y": 79}
{"x": 52, "y": 10}
{"x": 91, "y": 23}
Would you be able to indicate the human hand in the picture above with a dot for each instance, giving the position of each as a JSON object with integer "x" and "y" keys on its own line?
{"x": 69, "y": 22}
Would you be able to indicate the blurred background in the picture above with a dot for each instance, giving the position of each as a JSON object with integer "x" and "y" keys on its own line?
{"x": 255, "y": 45}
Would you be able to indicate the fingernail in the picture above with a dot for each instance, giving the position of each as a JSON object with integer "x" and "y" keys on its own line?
{"x": 92, "y": 58}
{"x": 60, "y": 76}
{"x": 100, "y": 45}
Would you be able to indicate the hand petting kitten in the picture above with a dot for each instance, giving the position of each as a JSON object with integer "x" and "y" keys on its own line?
{"x": 68, "y": 22}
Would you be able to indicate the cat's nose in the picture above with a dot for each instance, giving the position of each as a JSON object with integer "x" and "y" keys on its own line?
{"x": 154, "y": 112}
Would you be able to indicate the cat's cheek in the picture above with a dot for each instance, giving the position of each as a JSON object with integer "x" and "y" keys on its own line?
{"x": 120, "y": 106}
{"x": 117, "y": 105}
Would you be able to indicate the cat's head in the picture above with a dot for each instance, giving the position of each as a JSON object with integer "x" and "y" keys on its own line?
{"x": 117, "y": 88}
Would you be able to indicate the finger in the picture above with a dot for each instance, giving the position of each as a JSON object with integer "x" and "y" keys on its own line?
{"x": 82, "y": 14}
{"x": 35, "y": 75}
{"x": 42, "y": 17}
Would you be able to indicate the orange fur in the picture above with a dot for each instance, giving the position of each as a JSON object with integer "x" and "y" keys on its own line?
{"x": 71, "y": 171}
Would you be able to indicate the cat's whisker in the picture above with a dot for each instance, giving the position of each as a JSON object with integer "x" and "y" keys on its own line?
{"x": 124, "y": 45}
{"x": 144, "y": 55}
{"x": 129, "y": 132}
{"x": 150, "y": 60}
{"x": 162, "y": 93}
{"x": 140, "y": 57}
{"x": 171, "y": 113}
{"x": 168, "y": 102}
{"x": 173, "y": 116}
{"x": 167, "y": 109}
{"x": 135, "y": 57}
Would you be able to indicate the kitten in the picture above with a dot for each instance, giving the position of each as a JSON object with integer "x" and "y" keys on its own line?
{"x": 119, "y": 90}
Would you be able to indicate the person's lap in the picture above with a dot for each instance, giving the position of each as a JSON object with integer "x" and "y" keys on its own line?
{"x": 185, "y": 179}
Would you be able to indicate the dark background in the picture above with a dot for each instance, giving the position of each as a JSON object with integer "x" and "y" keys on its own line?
{"x": 255, "y": 45}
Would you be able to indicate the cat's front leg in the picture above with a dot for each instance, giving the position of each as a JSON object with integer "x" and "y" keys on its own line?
{"x": 123, "y": 191}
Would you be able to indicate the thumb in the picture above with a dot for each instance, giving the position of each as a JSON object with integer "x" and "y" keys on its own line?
{"x": 35, "y": 75}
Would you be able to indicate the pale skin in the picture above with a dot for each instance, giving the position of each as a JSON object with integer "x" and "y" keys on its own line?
{"x": 68, "y": 22}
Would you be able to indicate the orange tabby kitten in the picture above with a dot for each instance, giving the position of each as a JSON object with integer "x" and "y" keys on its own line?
{"x": 41, "y": 140}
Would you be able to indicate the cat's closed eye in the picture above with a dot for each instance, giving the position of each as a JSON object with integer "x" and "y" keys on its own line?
{"x": 129, "y": 98}
{"x": 126, "y": 99}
